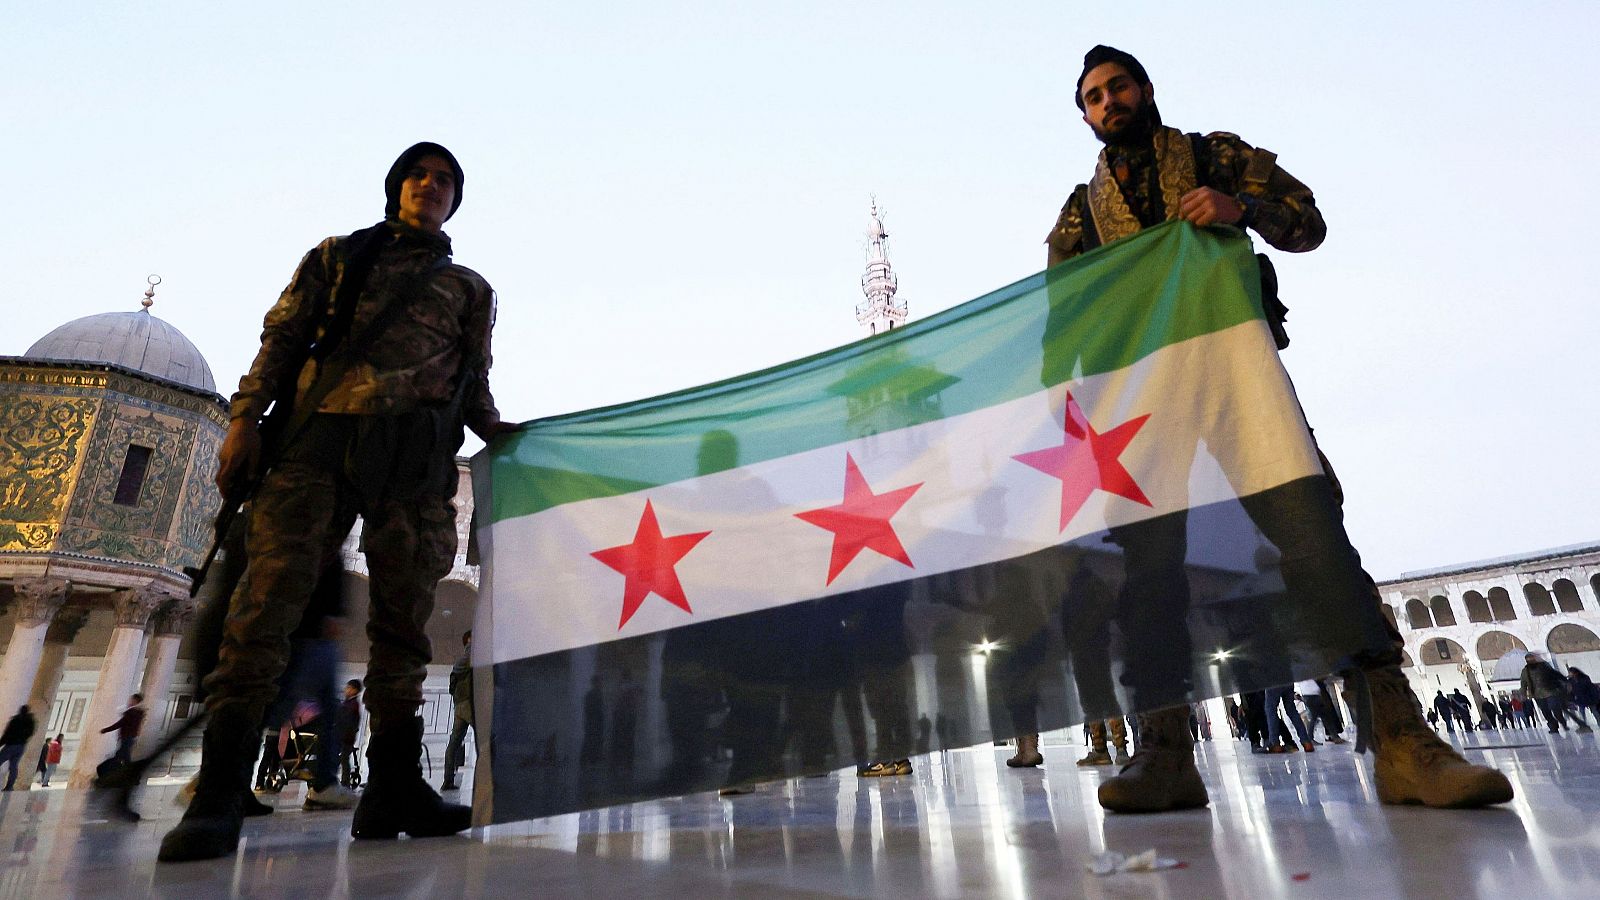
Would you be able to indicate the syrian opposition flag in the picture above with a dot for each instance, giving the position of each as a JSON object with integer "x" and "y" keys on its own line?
{"x": 1088, "y": 493}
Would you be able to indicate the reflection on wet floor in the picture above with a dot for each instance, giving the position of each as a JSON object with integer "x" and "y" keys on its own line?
{"x": 961, "y": 825}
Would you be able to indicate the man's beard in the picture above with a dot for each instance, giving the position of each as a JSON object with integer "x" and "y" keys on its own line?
{"x": 1136, "y": 128}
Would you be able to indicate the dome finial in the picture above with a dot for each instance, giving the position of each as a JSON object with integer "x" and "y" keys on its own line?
{"x": 150, "y": 292}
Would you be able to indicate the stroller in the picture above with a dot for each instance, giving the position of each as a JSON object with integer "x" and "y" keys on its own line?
{"x": 293, "y": 755}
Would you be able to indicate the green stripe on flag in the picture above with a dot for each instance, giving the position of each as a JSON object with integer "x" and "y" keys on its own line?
{"x": 1098, "y": 313}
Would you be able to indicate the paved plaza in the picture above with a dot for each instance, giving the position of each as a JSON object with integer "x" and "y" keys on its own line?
{"x": 962, "y": 825}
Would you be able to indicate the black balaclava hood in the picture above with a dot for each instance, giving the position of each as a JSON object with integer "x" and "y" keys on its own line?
{"x": 397, "y": 175}
{"x": 1099, "y": 56}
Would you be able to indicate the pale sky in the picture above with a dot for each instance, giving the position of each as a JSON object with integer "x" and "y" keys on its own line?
{"x": 665, "y": 194}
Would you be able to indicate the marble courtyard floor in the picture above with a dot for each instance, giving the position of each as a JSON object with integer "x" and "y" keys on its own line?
{"x": 962, "y": 825}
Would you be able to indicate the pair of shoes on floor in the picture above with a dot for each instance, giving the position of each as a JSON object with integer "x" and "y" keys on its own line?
{"x": 1096, "y": 758}
{"x": 334, "y": 796}
{"x": 1337, "y": 740}
{"x": 1310, "y": 746}
{"x": 885, "y": 769}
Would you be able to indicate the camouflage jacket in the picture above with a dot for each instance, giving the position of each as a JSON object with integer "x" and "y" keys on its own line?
{"x": 1278, "y": 206}
{"x": 416, "y": 359}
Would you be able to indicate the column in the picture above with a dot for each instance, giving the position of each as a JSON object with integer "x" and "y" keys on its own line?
{"x": 57, "y": 645}
{"x": 167, "y": 628}
{"x": 118, "y": 676}
{"x": 52, "y": 665}
{"x": 38, "y": 599}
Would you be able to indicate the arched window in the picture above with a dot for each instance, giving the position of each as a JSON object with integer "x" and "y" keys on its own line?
{"x": 1500, "y": 607}
{"x": 1388, "y": 613}
{"x": 1443, "y": 615}
{"x": 1406, "y": 661}
{"x": 1496, "y": 644}
{"x": 1442, "y": 652}
{"x": 1567, "y": 596}
{"x": 1539, "y": 601}
{"x": 454, "y": 604}
{"x": 1417, "y": 614}
{"x": 1477, "y": 607}
{"x": 1571, "y": 638}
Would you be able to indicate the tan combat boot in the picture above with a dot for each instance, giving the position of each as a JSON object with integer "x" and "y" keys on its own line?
{"x": 1162, "y": 775}
{"x": 1097, "y": 755}
{"x": 1028, "y": 754}
{"x": 1412, "y": 764}
{"x": 1119, "y": 740}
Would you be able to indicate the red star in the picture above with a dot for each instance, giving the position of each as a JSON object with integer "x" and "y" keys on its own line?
{"x": 648, "y": 565}
{"x": 862, "y": 521}
{"x": 1086, "y": 460}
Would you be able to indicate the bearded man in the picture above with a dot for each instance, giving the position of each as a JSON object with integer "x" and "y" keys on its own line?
{"x": 1148, "y": 174}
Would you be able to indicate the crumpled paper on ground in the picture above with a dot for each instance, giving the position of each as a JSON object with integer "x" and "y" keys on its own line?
{"x": 1114, "y": 863}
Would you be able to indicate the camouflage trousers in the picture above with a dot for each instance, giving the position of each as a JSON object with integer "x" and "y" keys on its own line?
{"x": 299, "y": 519}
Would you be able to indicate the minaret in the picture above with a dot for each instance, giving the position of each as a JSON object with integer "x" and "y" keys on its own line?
{"x": 879, "y": 312}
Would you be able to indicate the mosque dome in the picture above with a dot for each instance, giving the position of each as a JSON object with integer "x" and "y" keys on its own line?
{"x": 134, "y": 340}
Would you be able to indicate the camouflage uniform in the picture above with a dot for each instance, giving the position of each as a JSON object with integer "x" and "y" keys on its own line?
{"x": 1279, "y": 207}
{"x": 308, "y": 502}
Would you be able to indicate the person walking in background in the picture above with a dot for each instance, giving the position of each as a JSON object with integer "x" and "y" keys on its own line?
{"x": 1519, "y": 711}
{"x": 455, "y": 753}
{"x": 1463, "y": 709}
{"x": 1276, "y": 698}
{"x": 1585, "y": 695}
{"x": 127, "y": 728}
{"x": 349, "y": 728}
{"x": 1320, "y": 710}
{"x": 1548, "y": 688}
{"x": 14, "y": 741}
{"x": 1487, "y": 713}
{"x": 47, "y": 766}
{"x": 1446, "y": 710}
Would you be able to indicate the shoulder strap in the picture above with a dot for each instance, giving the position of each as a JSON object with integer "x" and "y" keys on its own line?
{"x": 361, "y": 253}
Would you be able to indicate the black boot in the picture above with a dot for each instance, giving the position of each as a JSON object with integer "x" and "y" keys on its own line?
{"x": 210, "y": 826}
{"x": 396, "y": 798}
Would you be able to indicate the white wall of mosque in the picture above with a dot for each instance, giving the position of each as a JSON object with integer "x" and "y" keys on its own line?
{"x": 1549, "y": 604}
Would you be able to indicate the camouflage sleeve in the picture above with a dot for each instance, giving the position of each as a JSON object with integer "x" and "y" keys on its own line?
{"x": 478, "y": 409}
{"x": 1277, "y": 205}
{"x": 286, "y": 332}
{"x": 1066, "y": 237}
